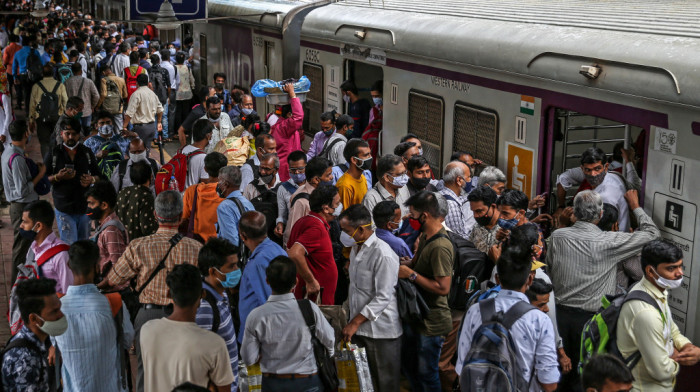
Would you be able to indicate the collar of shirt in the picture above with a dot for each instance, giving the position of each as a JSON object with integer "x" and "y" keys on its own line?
{"x": 383, "y": 193}
{"x": 210, "y": 289}
{"x": 82, "y": 289}
{"x": 291, "y": 181}
{"x": 369, "y": 242}
{"x": 237, "y": 193}
{"x": 49, "y": 242}
{"x": 319, "y": 217}
{"x": 588, "y": 226}
{"x": 260, "y": 248}
{"x": 17, "y": 149}
{"x": 167, "y": 230}
{"x": 653, "y": 290}
{"x": 281, "y": 297}
{"x": 112, "y": 216}
{"x": 513, "y": 295}
{"x": 461, "y": 198}
{"x": 27, "y": 333}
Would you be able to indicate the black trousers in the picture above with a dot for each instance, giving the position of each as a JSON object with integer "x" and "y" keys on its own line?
{"x": 570, "y": 322}
{"x": 26, "y": 88}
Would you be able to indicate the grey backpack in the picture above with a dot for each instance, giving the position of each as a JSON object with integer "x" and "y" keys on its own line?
{"x": 491, "y": 363}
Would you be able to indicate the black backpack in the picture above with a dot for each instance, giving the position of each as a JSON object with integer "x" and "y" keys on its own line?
{"x": 48, "y": 104}
{"x": 216, "y": 315}
{"x": 255, "y": 168}
{"x": 158, "y": 81}
{"x": 34, "y": 67}
{"x": 266, "y": 203}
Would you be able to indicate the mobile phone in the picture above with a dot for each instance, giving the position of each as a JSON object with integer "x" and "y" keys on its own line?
{"x": 70, "y": 166}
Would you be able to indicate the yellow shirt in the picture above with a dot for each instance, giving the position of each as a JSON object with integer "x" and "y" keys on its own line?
{"x": 351, "y": 190}
{"x": 642, "y": 328}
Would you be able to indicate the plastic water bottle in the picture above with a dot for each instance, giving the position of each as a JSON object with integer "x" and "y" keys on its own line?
{"x": 173, "y": 185}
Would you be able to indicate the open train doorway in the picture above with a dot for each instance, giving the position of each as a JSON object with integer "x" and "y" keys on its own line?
{"x": 363, "y": 76}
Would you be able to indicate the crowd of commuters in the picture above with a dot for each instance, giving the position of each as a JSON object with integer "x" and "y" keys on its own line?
{"x": 200, "y": 281}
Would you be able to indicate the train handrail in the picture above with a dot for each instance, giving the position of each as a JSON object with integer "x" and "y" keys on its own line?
{"x": 393, "y": 35}
{"x": 590, "y": 59}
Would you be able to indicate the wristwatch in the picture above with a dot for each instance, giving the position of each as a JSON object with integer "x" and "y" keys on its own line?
{"x": 413, "y": 277}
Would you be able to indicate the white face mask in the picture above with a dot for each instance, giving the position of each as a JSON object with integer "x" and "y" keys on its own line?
{"x": 346, "y": 98}
{"x": 139, "y": 157}
{"x": 667, "y": 283}
{"x": 346, "y": 240}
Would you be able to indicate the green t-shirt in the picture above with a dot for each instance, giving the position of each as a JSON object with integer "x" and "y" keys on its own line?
{"x": 434, "y": 259}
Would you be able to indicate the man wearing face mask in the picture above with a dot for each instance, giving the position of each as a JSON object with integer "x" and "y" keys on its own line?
{"x": 353, "y": 185}
{"x": 419, "y": 176}
{"x": 387, "y": 218}
{"x": 254, "y": 289}
{"x": 334, "y": 146}
{"x": 219, "y": 119}
{"x": 267, "y": 180}
{"x": 392, "y": 184}
{"x": 110, "y": 236}
{"x": 242, "y": 110}
{"x": 376, "y": 113}
{"x": 121, "y": 176}
{"x": 357, "y": 108}
{"x": 650, "y": 330}
{"x": 482, "y": 201}
{"x": 250, "y": 171}
{"x": 218, "y": 264}
{"x": 582, "y": 262}
{"x": 232, "y": 208}
{"x": 374, "y": 315}
{"x": 324, "y": 135}
{"x": 25, "y": 367}
{"x": 109, "y": 148}
{"x": 318, "y": 171}
{"x": 145, "y": 110}
{"x": 310, "y": 247}
{"x": 460, "y": 218}
{"x": 296, "y": 161}
{"x": 594, "y": 174}
{"x": 222, "y": 92}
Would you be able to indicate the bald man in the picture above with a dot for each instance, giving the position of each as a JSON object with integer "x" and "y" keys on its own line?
{"x": 137, "y": 152}
{"x": 460, "y": 218}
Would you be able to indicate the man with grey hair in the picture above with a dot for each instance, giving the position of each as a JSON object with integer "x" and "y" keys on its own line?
{"x": 494, "y": 178}
{"x": 582, "y": 261}
{"x": 149, "y": 260}
{"x": 233, "y": 207}
{"x": 460, "y": 218}
{"x": 392, "y": 176}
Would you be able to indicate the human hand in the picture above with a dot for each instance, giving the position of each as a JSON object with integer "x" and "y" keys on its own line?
{"x": 289, "y": 89}
{"x": 628, "y": 155}
{"x": 536, "y": 202}
{"x": 632, "y": 197}
{"x": 52, "y": 356}
{"x": 502, "y": 234}
{"x": 543, "y": 219}
{"x": 32, "y": 127}
{"x": 405, "y": 272}
{"x": 689, "y": 355}
{"x": 564, "y": 361}
{"x": 405, "y": 260}
{"x": 279, "y": 229}
{"x": 313, "y": 288}
{"x": 566, "y": 218}
{"x": 160, "y": 127}
{"x": 42, "y": 168}
{"x": 350, "y": 330}
{"x": 86, "y": 180}
{"x": 65, "y": 174}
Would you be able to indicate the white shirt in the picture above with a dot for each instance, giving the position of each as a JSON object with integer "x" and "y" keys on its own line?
{"x": 374, "y": 272}
{"x": 247, "y": 175}
{"x": 195, "y": 166}
{"x": 174, "y": 79}
{"x": 120, "y": 62}
{"x": 335, "y": 154}
{"x": 220, "y": 131}
{"x": 533, "y": 335}
{"x": 283, "y": 196}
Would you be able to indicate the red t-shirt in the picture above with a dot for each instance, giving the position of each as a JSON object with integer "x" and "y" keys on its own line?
{"x": 311, "y": 232}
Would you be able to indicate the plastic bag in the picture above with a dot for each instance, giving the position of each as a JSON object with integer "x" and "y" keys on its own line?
{"x": 353, "y": 369}
{"x": 263, "y": 87}
{"x": 249, "y": 377}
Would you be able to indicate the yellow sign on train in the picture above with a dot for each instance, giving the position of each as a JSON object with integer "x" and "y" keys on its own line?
{"x": 521, "y": 161}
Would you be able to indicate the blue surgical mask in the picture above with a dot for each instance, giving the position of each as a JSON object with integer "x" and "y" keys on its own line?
{"x": 172, "y": 51}
{"x": 65, "y": 48}
{"x": 326, "y": 183}
{"x": 508, "y": 224}
{"x": 399, "y": 181}
{"x": 247, "y": 111}
{"x": 233, "y": 278}
{"x": 377, "y": 101}
{"x": 298, "y": 178}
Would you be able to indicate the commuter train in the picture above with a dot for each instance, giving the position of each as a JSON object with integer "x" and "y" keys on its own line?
{"x": 524, "y": 85}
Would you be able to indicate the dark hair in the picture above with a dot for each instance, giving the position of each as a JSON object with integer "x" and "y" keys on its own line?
{"x": 357, "y": 215}
{"x": 316, "y": 166}
{"x": 524, "y": 237}
{"x": 103, "y": 191}
{"x": 402, "y": 147}
{"x": 416, "y": 162}
{"x": 134, "y": 57}
{"x": 378, "y": 86}
{"x": 322, "y": 196}
{"x": 30, "y": 296}
{"x": 609, "y": 218}
{"x": 83, "y": 256}
{"x": 214, "y": 254}
{"x": 260, "y": 140}
{"x": 185, "y": 285}
{"x": 18, "y": 129}
{"x": 281, "y": 274}
{"x": 47, "y": 70}
{"x": 483, "y": 194}
{"x": 165, "y": 54}
{"x": 189, "y": 387}
{"x": 142, "y": 80}
{"x": 103, "y": 114}
{"x": 123, "y": 47}
{"x": 344, "y": 120}
{"x": 213, "y": 162}
{"x": 513, "y": 198}
{"x": 425, "y": 201}
{"x": 253, "y": 224}
{"x": 513, "y": 268}
{"x": 201, "y": 128}
{"x": 328, "y": 116}
{"x": 213, "y": 100}
{"x": 71, "y": 122}
{"x": 296, "y": 156}
{"x": 220, "y": 75}
{"x": 603, "y": 367}
{"x": 593, "y": 155}
{"x": 202, "y": 93}
{"x": 143, "y": 53}
{"x": 74, "y": 102}
{"x": 383, "y": 212}
{"x": 386, "y": 164}
{"x": 73, "y": 53}
{"x": 352, "y": 148}
{"x": 140, "y": 172}
{"x": 349, "y": 85}
{"x": 617, "y": 151}
{"x": 286, "y": 109}
{"x": 408, "y": 136}
{"x": 538, "y": 287}
{"x": 155, "y": 59}
{"x": 180, "y": 57}
{"x": 458, "y": 154}
{"x": 41, "y": 211}
{"x": 660, "y": 252}
{"x": 250, "y": 120}
{"x": 76, "y": 68}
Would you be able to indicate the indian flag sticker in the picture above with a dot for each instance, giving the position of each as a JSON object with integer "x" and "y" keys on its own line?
{"x": 527, "y": 105}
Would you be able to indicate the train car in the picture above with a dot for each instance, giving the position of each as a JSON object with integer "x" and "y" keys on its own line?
{"x": 526, "y": 86}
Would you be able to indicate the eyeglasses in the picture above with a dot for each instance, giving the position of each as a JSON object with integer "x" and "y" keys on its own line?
{"x": 297, "y": 169}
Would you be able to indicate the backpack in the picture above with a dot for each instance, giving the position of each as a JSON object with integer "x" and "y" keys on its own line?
{"x": 491, "y": 363}
{"x": 329, "y": 147}
{"x": 122, "y": 170}
{"x": 106, "y": 61}
{"x": 43, "y": 187}
{"x": 111, "y": 157}
{"x": 48, "y": 104}
{"x": 113, "y": 99}
{"x": 34, "y": 67}
{"x": 131, "y": 84}
{"x": 289, "y": 187}
{"x": 19, "y": 343}
{"x": 600, "y": 332}
{"x": 266, "y": 203}
{"x": 216, "y": 314}
{"x": 235, "y": 149}
{"x": 302, "y": 195}
{"x": 63, "y": 72}
{"x": 255, "y": 168}
{"x": 31, "y": 269}
{"x": 158, "y": 81}
{"x": 176, "y": 167}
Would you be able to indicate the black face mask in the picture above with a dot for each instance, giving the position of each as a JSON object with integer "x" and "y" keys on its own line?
{"x": 94, "y": 213}
{"x": 420, "y": 183}
{"x": 484, "y": 220}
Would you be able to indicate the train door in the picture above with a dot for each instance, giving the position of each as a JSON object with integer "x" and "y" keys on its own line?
{"x": 363, "y": 75}
{"x": 272, "y": 68}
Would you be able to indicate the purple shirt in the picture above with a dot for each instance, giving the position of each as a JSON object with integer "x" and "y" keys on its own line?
{"x": 55, "y": 267}
{"x": 317, "y": 144}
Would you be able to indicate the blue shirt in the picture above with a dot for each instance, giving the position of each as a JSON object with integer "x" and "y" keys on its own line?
{"x": 94, "y": 142}
{"x": 89, "y": 346}
{"x": 533, "y": 335}
{"x": 338, "y": 172}
{"x": 22, "y": 369}
{"x": 20, "y": 61}
{"x": 254, "y": 290}
{"x": 228, "y": 215}
{"x": 45, "y": 58}
{"x": 205, "y": 319}
{"x": 397, "y": 244}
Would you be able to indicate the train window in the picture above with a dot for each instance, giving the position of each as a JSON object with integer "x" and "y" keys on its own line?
{"x": 425, "y": 120}
{"x": 476, "y": 132}
{"x": 203, "y": 59}
{"x": 313, "y": 106}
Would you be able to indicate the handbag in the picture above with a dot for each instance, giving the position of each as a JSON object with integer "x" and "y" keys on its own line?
{"x": 336, "y": 316}
{"x": 325, "y": 364}
{"x": 412, "y": 306}
{"x": 353, "y": 369}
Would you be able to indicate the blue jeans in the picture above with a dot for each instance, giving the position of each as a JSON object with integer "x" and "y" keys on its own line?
{"x": 421, "y": 355}
{"x": 72, "y": 227}
{"x": 164, "y": 121}
{"x": 86, "y": 123}
{"x": 310, "y": 384}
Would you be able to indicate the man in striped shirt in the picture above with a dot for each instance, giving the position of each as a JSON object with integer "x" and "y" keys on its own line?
{"x": 218, "y": 264}
{"x": 582, "y": 262}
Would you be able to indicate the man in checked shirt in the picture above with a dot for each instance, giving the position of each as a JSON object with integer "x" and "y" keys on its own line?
{"x": 142, "y": 257}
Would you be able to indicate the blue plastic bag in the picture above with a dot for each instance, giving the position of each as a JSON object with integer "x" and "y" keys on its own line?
{"x": 258, "y": 89}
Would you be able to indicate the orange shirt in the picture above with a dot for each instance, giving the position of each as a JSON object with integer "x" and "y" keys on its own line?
{"x": 207, "y": 201}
